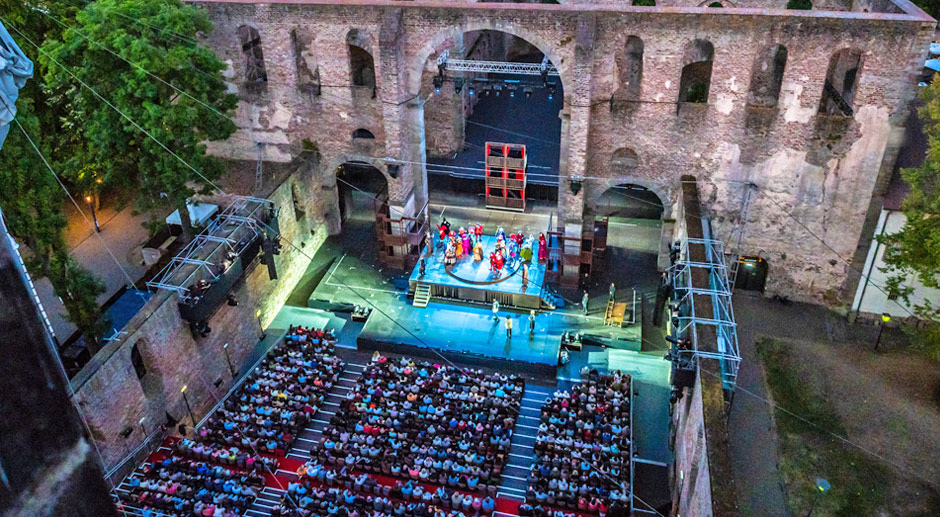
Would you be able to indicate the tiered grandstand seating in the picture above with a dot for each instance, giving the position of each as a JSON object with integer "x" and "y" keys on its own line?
{"x": 583, "y": 448}
{"x": 219, "y": 473}
{"x": 425, "y": 422}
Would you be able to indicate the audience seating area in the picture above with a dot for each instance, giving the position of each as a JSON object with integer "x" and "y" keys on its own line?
{"x": 425, "y": 422}
{"x": 583, "y": 448}
{"x": 221, "y": 470}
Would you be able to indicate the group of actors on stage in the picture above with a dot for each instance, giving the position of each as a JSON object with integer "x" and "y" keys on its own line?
{"x": 510, "y": 251}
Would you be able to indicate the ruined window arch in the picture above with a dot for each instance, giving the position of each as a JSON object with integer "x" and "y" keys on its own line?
{"x": 800, "y": 5}
{"x": 137, "y": 360}
{"x": 767, "y": 77}
{"x": 363, "y": 133}
{"x": 624, "y": 158}
{"x": 630, "y": 66}
{"x": 256, "y": 76}
{"x": 696, "y": 78}
{"x": 841, "y": 82}
{"x": 361, "y": 64}
{"x": 644, "y": 3}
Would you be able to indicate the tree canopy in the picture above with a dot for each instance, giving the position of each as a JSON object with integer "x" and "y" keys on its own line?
{"x": 915, "y": 250}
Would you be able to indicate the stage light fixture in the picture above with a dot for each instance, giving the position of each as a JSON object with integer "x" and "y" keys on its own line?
{"x": 458, "y": 85}
{"x": 470, "y": 90}
{"x": 438, "y": 82}
{"x": 528, "y": 91}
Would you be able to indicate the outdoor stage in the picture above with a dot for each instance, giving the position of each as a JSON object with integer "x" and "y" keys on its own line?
{"x": 472, "y": 281}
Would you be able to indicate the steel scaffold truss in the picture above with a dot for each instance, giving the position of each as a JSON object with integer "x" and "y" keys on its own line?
{"x": 210, "y": 252}
{"x": 690, "y": 317}
{"x": 503, "y": 67}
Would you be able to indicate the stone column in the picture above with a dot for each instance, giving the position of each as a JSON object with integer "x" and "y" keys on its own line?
{"x": 575, "y": 129}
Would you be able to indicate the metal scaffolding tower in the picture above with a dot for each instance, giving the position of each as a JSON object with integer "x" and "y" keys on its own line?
{"x": 208, "y": 255}
{"x": 702, "y": 297}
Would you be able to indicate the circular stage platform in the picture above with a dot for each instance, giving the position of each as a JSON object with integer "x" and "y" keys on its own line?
{"x": 460, "y": 273}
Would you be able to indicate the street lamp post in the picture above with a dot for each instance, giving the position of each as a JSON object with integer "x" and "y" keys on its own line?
{"x": 822, "y": 486}
{"x": 141, "y": 424}
{"x": 94, "y": 216}
{"x": 228, "y": 359}
{"x": 260, "y": 326}
{"x": 186, "y": 400}
{"x": 885, "y": 318}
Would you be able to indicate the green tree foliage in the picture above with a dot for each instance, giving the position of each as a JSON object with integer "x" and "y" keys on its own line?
{"x": 75, "y": 286}
{"x": 915, "y": 250}
{"x": 931, "y": 7}
{"x": 107, "y": 50}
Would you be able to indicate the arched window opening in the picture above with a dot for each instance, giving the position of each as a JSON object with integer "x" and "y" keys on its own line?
{"x": 624, "y": 158}
{"x": 137, "y": 361}
{"x": 841, "y": 83}
{"x": 361, "y": 64}
{"x": 695, "y": 82}
{"x": 800, "y": 5}
{"x": 363, "y": 133}
{"x": 256, "y": 77}
{"x": 715, "y": 4}
{"x": 644, "y": 3}
{"x": 767, "y": 77}
{"x": 631, "y": 69}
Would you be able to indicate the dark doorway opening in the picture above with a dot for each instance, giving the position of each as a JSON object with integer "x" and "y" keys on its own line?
{"x": 751, "y": 274}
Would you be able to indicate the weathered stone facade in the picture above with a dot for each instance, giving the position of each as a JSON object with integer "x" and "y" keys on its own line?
{"x": 108, "y": 391}
{"x": 814, "y": 174}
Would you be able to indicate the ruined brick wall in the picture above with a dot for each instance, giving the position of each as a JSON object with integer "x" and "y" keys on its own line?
{"x": 821, "y": 169}
{"x": 108, "y": 391}
{"x": 691, "y": 479}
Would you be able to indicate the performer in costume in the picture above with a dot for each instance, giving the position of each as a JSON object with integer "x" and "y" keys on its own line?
{"x": 519, "y": 238}
{"x": 499, "y": 260}
{"x": 479, "y": 231}
{"x": 500, "y": 233}
{"x": 478, "y": 251}
{"x": 458, "y": 248}
{"x": 543, "y": 248}
{"x": 526, "y": 252}
{"x": 492, "y": 262}
{"x": 449, "y": 256}
{"x": 525, "y": 276}
{"x": 467, "y": 246}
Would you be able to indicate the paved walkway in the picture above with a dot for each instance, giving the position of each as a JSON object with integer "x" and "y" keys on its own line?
{"x": 753, "y": 440}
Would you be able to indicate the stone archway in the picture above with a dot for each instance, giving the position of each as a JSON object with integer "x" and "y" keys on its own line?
{"x": 333, "y": 190}
{"x": 417, "y": 83}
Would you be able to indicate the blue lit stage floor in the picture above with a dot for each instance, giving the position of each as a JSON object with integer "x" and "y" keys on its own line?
{"x": 465, "y": 332}
{"x": 469, "y": 280}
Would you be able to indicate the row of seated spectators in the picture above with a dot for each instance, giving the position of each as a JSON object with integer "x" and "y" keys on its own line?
{"x": 181, "y": 487}
{"x": 278, "y": 398}
{"x": 431, "y": 423}
{"x": 326, "y": 491}
{"x": 583, "y": 447}
{"x": 223, "y": 473}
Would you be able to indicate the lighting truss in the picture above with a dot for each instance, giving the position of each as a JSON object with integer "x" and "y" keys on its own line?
{"x": 711, "y": 284}
{"x": 501, "y": 67}
{"x": 210, "y": 252}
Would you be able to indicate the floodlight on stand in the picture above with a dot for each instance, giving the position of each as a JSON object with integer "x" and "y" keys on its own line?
{"x": 497, "y": 88}
{"x": 470, "y": 89}
{"x": 438, "y": 82}
{"x": 528, "y": 91}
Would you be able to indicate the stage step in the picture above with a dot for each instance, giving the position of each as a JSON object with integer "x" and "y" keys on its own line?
{"x": 422, "y": 295}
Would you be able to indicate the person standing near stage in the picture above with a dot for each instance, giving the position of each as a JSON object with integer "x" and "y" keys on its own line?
{"x": 532, "y": 322}
{"x": 584, "y": 303}
{"x": 495, "y": 309}
{"x": 508, "y": 327}
{"x": 612, "y": 291}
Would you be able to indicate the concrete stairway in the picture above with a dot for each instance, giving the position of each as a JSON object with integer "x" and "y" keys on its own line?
{"x": 314, "y": 430}
{"x": 516, "y": 474}
{"x": 422, "y": 295}
{"x": 266, "y": 501}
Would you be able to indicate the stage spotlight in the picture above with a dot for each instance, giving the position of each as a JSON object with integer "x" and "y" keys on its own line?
{"x": 497, "y": 88}
{"x": 438, "y": 82}
{"x": 528, "y": 91}
{"x": 470, "y": 90}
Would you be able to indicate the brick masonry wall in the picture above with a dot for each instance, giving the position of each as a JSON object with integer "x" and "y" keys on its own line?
{"x": 822, "y": 170}
{"x": 108, "y": 391}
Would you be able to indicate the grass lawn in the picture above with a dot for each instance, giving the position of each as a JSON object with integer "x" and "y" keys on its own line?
{"x": 800, "y": 380}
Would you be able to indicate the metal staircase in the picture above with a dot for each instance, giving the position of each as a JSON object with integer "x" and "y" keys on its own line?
{"x": 422, "y": 295}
